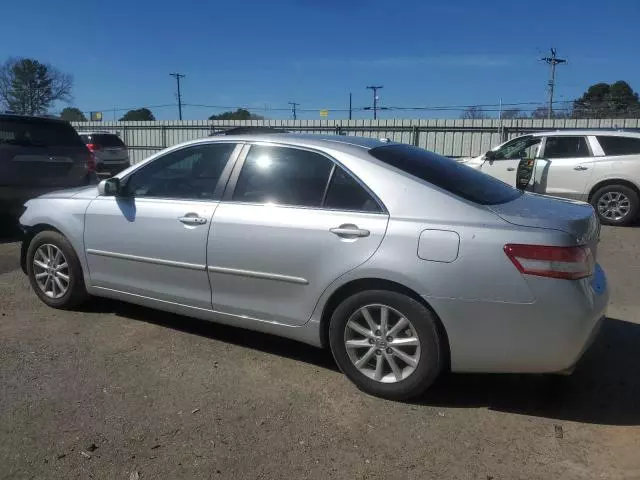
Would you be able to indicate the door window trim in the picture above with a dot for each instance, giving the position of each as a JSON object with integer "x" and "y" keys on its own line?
{"x": 220, "y": 185}
{"x": 240, "y": 161}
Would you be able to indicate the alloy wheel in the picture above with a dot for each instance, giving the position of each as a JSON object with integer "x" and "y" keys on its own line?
{"x": 51, "y": 271}
{"x": 382, "y": 343}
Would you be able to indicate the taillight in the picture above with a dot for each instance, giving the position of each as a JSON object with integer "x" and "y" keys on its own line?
{"x": 93, "y": 147}
{"x": 569, "y": 263}
{"x": 91, "y": 162}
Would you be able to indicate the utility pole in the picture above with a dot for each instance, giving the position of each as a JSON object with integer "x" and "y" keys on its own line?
{"x": 350, "y": 106}
{"x": 375, "y": 89}
{"x": 178, "y": 76}
{"x": 293, "y": 109}
{"x": 553, "y": 60}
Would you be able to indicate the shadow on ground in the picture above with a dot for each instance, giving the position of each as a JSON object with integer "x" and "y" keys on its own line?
{"x": 604, "y": 389}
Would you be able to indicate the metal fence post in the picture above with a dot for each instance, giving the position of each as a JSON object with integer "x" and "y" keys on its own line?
{"x": 163, "y": 128}
{"x": 416, "y": 135}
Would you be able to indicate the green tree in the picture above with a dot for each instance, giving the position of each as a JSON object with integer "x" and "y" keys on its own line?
{"x": 139, "y": 115}
{"x": 603, "y": 100}
{"x": 239, "y": 114}
{"x": 29, "y": 87}
{"x": 72, "y": 114}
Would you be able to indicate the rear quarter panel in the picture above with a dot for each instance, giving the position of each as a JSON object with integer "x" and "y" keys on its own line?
{"x": 623, "y": 167}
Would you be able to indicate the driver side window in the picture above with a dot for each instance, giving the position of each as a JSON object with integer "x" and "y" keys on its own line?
{"x": 518, "y": 148}
{"x": 192, "y": 172}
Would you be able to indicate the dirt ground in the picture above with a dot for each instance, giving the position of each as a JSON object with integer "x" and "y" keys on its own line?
{"x": 123, "y": 392}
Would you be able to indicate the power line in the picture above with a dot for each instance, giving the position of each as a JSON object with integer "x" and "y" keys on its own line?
{"x": 374, "y": 89}
{"x": 178, "y": 76}
{"x": 553, "y": 60}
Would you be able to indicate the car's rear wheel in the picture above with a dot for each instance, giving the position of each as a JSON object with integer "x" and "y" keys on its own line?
{"x": 616, "y": 204}
{"x": 386, "y": 343}
{"x": 54, "y": 271}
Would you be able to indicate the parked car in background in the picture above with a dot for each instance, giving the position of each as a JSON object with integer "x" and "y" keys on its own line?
{"x": 112, "y": 155}
{"x": 381, "y": 251}
{"x": 601, "y": 167}
{"x": 38, "y": 155}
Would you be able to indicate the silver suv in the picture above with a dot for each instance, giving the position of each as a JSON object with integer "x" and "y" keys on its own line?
{"x": 112, "y": 155}
{"x": 601, "y": 167}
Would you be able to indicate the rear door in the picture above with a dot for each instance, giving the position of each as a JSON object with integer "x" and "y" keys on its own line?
{"x": 291, "y": 222}
{"x": 41, "y": 154}
{"x": 565, "y": 167}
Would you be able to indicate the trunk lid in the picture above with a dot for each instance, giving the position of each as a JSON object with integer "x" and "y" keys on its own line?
{"x": 578, "y": 219}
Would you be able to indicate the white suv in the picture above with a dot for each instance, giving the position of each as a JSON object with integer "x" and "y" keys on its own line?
{"x": 598, "y": 166}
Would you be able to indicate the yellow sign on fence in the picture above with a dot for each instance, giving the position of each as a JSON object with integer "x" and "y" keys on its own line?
{"x": 324, "y": 113}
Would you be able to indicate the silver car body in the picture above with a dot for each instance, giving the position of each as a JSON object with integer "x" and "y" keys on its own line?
{"x": 576, "y": 177}
{"x": 277, "y": 268}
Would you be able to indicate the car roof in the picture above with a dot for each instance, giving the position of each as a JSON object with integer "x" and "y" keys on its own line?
{"x": 30, "y": 118}
{"x": 97, "y": 132}
{"x": 338, "y": 142}
{"x": 617, "y": 132}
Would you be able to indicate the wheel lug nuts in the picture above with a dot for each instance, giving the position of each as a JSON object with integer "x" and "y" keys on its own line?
{"x": 389, "y": 350}
{"x": 377, "y": 333}
{"x": 389, "y": 338}
{"x": 372, "y": 341}
{"x": 378, "y": 352}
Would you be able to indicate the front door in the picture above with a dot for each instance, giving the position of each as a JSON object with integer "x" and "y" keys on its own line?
{"x": 151, "y": 241}
{"x": 565, "y": 167}
{"x": 503, "y": 163}
{"x": 291, "y": 223}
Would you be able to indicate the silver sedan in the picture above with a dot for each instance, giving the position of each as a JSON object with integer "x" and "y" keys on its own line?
{"x": 404, "y": 263}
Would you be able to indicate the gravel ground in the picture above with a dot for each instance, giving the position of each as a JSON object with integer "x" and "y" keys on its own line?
{"x": 123, "y": 392}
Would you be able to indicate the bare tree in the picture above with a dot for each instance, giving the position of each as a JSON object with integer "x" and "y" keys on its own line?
{"x": 474, "y": 113}
{"x": 29, "y": 87}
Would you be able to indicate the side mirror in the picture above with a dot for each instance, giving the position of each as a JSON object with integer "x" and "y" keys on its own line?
{"x": 490, "y": 155}
{"x": 109, "y": 187}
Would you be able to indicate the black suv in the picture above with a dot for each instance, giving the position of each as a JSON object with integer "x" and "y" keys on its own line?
{"x": 38, "y": 155}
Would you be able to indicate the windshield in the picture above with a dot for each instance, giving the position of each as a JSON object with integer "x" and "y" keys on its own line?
{"x": 447, "y": 174}
{"x": 521, "y": 147}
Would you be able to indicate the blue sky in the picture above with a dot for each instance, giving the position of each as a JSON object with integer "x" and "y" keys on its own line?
{"x": 267, "y": 53}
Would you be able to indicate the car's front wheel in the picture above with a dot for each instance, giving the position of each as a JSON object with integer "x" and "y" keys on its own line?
{"x": 616, "y": 205}
{"x": 54, "y": 270}
{"x": 386, "y": 343}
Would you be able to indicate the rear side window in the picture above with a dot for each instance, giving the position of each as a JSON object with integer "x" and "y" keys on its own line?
{"x": 345, "y": 193}
{"x": 105, "y": 140}
{"x": 566, "y": 147}
{"x": 35, "y": 133}
{"x": 447, "y": 174}
{"x": 620, "y": 145}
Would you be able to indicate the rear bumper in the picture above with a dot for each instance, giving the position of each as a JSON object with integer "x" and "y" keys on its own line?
{"x": 112, "y": 168}
{"x": 549, "y": 335}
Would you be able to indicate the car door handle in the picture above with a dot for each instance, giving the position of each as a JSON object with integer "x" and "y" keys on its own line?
{"x": 350, "y": 231}
{"x": 192, "y": 220}
{"x": 510, "y": 169}
{"x": 580, "y": 167}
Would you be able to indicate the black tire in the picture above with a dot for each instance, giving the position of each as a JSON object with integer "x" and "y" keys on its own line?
{"x": 631, "y": 195}
{"x": 432, "y": 353}
{"x": 76, "y": 292}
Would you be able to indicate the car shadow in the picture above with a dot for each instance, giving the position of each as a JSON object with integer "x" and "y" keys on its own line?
{"x": 604, "y": 389}
{"x": 9, "y": 229}
{"x": 238, "y": 336}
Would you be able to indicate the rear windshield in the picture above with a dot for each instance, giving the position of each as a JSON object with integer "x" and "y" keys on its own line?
{"x": 445, "y": 173}
{"x": 106, "y": 140}
{"x": 28, "y": 133}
